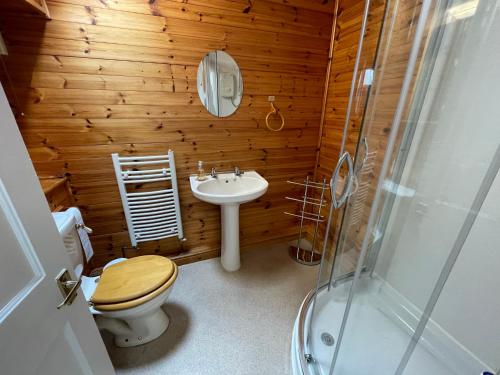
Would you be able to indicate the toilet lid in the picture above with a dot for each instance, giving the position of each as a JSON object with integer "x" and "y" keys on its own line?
{"x": 132, "y": 279}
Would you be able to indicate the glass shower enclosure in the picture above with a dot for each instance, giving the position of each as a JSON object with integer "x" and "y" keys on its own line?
{"x": 410, "y": 284}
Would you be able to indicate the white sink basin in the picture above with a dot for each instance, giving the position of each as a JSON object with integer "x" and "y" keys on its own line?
{"x": 229, "y": 191}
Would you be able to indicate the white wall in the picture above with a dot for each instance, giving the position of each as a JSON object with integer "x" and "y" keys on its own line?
{"x": 458, "y": 133}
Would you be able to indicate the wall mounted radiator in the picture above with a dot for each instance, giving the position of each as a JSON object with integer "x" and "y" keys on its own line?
{"x": 152, "y": 209}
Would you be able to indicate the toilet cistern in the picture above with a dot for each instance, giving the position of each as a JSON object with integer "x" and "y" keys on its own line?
{"x": 229, "y": 190}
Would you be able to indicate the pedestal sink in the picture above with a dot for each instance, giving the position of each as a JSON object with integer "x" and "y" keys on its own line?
{"x": 229, "y": 191}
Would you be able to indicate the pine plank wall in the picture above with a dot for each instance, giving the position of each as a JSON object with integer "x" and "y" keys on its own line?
{"x": 394, "y": 51}
{"x": 106, "y": 76}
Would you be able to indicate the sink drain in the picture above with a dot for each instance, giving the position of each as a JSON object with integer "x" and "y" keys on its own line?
{"x": 327, "y": 339}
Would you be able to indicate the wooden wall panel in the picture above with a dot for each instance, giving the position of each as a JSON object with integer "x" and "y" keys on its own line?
{"x": 375, "y": 105}
{"x": 343, "y": 55}
{"x": 390, "y": 70}
{"x": 120, "y": 76}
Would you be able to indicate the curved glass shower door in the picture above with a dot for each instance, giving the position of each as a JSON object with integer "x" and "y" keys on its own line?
{"x": 421, "y": 235}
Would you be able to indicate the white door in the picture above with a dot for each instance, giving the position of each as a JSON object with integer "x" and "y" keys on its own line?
{"x": 35, "y": 336}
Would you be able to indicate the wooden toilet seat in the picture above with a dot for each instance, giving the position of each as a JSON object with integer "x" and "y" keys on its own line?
{"x": 133, "y": 282}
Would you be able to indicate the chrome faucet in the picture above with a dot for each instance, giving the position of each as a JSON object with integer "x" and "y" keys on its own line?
{"x": 238, "y": 172}
{"x": 213, "y": 173}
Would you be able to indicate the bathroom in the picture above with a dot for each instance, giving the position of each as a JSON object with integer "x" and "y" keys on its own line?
{"x": 328, "y": 171}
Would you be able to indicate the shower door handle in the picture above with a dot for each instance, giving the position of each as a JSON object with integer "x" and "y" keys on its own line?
{"x": 339, "y": 201}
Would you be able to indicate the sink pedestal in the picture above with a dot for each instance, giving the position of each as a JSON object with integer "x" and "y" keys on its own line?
{"x": 230, "y": 236}
{"x": 229, "y": 190}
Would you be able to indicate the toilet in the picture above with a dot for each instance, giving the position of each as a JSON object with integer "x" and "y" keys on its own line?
{"x": 126, "y": 298}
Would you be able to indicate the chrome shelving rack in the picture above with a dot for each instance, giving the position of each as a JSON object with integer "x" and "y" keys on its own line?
{"x": 299, "y": 252}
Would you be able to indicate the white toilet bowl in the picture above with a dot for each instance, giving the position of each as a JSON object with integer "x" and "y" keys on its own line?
{"x": 143, "y": 324}
{"x": 131, "y": 326}
{"x": 127, "y": 298}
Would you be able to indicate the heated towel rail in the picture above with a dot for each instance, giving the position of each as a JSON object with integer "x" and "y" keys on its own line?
{"x": 152, "y": 209}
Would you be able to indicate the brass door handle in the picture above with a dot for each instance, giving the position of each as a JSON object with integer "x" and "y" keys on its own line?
{"x": 67, "y": 287}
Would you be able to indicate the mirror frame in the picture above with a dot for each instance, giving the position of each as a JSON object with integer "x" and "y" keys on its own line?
{"x": 219, "y": 83}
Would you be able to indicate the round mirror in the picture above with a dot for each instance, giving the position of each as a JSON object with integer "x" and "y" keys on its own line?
{"x": 220, "y": 85}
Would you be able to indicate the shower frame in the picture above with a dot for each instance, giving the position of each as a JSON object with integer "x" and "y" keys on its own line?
{"x": 370, "y": 251}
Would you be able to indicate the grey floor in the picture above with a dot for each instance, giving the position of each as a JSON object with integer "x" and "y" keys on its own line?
{"x": 236, "y": 323}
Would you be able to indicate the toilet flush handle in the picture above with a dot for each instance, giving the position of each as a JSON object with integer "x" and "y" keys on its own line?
{"x": 84, "y": 227}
